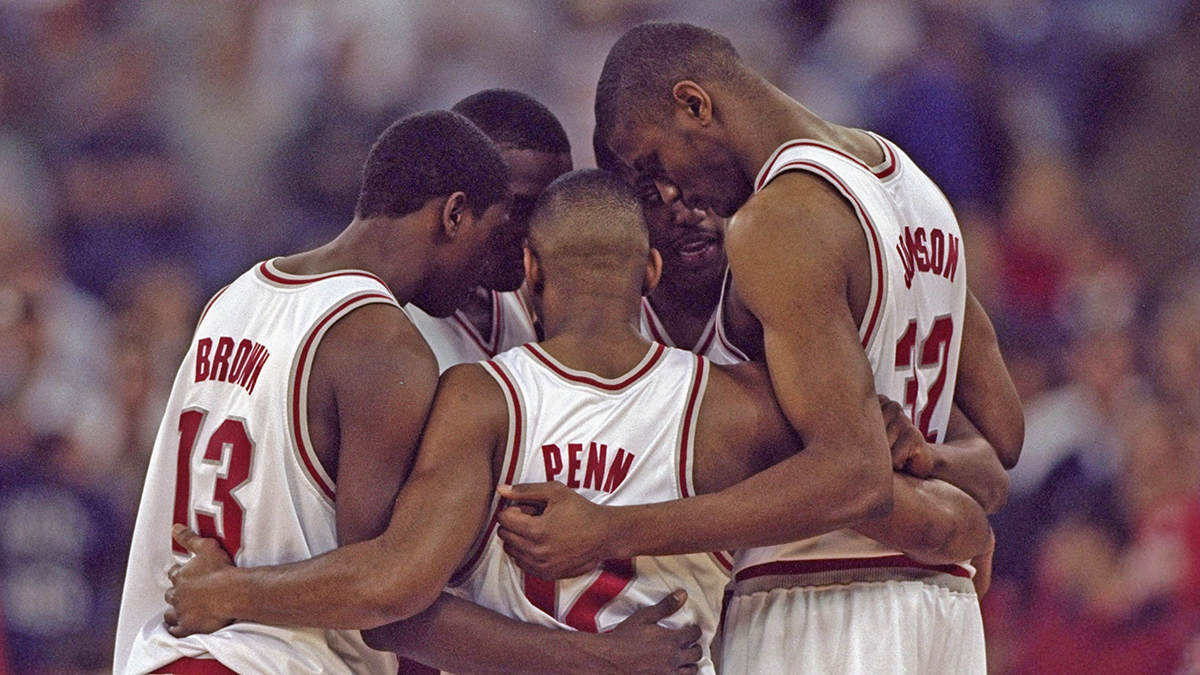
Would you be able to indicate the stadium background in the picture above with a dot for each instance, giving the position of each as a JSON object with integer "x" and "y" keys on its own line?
{"x": 150, "y": 150}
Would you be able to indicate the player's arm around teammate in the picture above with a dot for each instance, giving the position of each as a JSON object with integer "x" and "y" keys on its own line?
{"x": 799, "y": 245}
{"x": 396, "y": 575}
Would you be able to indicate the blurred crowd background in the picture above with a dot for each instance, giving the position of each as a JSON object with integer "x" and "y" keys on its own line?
{"x": 151, "y": 150}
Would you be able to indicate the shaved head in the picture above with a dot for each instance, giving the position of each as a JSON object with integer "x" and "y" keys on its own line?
{"x": 587, "y": 231}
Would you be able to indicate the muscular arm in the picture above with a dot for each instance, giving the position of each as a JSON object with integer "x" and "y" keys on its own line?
{"x": 435, "y": 519}
{"x": 791, "y": 255}
{"x": 967, "y": 461}
{"x": 984, "y": 391}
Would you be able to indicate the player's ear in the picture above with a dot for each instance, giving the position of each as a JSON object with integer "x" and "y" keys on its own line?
{"x": 693, "y": 101}
{"x": 454, "y": 214}
{"x": 653, "y": 272}
{"x": 533, "y": 273}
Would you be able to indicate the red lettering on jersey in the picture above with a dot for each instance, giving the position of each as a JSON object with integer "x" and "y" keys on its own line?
{"x": 951, "y": 265}
{"x": 922, "y": 254}
{"x": 573, "y": 464}
{"x": 618, "y": 470}
{"x": 553, "y": 458}
{"x": 239, "y": 359}
{"x": 203, "y": 348}
{"x": 593, "y": 477}
{"x": 937, "y": 251}
{"x": 220, "y": 363}
{"x": 940, "y": 257}
{"x": 258, "y": 364}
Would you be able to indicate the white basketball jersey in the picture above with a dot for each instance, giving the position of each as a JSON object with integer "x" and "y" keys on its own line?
{"x": 617, "y": 442}
{"x": 455, "y": 340}
{"x": 233, "y": 460}
{"x": 912, "y": 328}
{"x": 712, "y": 343}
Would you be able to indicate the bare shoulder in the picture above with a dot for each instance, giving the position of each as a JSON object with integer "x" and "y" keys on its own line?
{"x": 468, "y": 394}
{"x": 798, "y": 216}
{"x": 378, "y": 338}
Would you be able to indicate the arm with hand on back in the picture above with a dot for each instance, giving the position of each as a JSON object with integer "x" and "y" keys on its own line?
{"x": 434, "y": 520}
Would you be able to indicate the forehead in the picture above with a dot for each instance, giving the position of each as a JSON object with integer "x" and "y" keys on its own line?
{"x": 635, "y": 140}
{"x": 530, "y": 171}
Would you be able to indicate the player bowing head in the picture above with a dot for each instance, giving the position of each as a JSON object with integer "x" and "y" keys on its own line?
{"x": 671, "y": 103}
{"x": 440, "y": 167}
{"x": 535, "y": 149}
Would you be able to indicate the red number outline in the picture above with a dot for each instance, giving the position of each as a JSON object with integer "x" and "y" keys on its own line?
{"x": 231, "y": 433}
{"x": 615, "y": 576}
{"x": 934, "y": 351}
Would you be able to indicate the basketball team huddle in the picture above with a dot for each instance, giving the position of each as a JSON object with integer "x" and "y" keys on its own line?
{"x": 724, "y": 404}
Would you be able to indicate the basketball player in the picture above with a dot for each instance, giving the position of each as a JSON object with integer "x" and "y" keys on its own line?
{"x": 496, "y": 316}
{"x": 597, "y": 406}
{"x": 291, "y": 370}
{"x": 849, "y": 279}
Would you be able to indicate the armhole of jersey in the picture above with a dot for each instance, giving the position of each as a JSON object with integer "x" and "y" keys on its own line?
{"x": 204, "y": 312}
{"x": 509, "y": 468}
{"x": 685, "y": 459}
{"x": 298, "y": 389}
{"x": 866, "y": 331}
{"x": 687, "y": 445}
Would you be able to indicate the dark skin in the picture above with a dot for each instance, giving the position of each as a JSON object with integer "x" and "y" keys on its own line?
{"x": 799, "y": 258}
{"x": 530, "y": 171}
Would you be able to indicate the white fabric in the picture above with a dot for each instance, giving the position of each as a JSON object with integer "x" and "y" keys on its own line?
{"x": 286, "y": 498}
{"x": 454, "y": 339}
{"x": 864, "y": 628}
{"x": 588, "y": 434}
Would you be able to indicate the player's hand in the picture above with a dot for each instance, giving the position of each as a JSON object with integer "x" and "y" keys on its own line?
{"x": 910, "y": 452}
{"x": 194, "y": 585}
{"x": 567, "y": 539}
{"x": 639, "y": 646}
{"x": 983, "y": 567}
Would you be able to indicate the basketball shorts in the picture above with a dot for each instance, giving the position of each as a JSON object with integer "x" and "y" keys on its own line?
{"x": 923, "y": 624}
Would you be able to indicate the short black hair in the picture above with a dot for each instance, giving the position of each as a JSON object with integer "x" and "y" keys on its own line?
{"x": 428, "y": 155}
{"x": 587, "y": 223}
{"x": 514, "y": 118}
{"x": 650, "y": 58}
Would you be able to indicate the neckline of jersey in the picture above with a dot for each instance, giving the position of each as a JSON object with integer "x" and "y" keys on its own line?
{"x": 885, "y": 169}
{"x": 271, "y": 273}
{"x": 652, "y": 358}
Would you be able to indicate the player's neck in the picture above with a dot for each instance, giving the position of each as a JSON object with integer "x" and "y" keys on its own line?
{"x": 597, "y": 333}
{"x": 393, "y": 254}
{"x": 685, "y": 310}
{"x": 773, "y": 119}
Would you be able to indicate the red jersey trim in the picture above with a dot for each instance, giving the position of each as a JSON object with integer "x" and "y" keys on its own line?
{"x": 794, "y": 567}
{"x": 191, "y": 666}
{"x": 652, "y": 321}
{"x": 497, "y": 327}
{"x": 653, "y": 356}
{"x": 719, "y": 320}
{"x": 877, "y": 251}
{"x": 881, "y": 171}
{"x": 299, "y": 387}
{"x": 724, "y": 560}
{"x": 516, "y": 429}
{"x": 211, "y": 302}
{"x": 688, "y": 432}
{"x": 271, "y": 273}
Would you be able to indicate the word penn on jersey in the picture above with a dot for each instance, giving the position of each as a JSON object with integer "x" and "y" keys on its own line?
{"x": 233, "y": 460}
{"x": 617, "y": 442}
{"x": 911, "y": 330}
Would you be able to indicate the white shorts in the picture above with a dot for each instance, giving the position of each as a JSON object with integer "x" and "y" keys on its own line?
{"x": 919, "y": 626}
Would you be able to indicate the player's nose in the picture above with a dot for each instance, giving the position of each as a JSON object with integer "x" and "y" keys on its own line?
{"x": 683, "y": 216}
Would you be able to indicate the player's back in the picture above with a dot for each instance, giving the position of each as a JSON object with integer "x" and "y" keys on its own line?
{"x": 233, "y": 460}
{"x": 617, "y": 441}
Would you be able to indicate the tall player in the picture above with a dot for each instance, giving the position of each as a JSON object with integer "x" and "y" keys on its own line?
{"x": 496, "y": 316}
{"x": 291, "y": 370}
{"x": 849, "y": 279}
{"x": 597, "y": 406}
